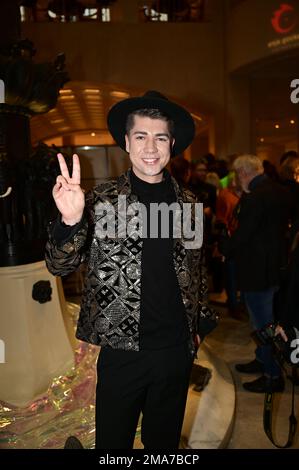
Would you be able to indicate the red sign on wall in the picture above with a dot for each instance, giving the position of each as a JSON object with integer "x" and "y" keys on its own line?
{"x": 284, "y": 19}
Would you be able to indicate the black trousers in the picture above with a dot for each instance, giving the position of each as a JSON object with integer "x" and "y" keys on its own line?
{"x": 152, "y": 382}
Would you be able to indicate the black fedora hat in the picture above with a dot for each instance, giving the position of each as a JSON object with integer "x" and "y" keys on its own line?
{"x": 184, "y": 128}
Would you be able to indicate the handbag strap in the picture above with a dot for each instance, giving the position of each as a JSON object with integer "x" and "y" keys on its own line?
{"x": 268, "y": 409}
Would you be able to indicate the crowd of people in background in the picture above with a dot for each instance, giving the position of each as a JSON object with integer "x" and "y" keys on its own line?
{"x": 251, "y": 235}
{"x": 213, "y": 182}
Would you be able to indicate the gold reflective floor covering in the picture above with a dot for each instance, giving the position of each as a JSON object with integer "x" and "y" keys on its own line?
{"x": 67, "y": 408}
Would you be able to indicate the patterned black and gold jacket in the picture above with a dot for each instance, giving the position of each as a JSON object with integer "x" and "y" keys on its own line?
{"x": 110, "y": 305}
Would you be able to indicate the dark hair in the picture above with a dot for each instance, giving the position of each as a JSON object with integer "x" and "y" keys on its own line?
{"x": 288, "y": 168}
{"x": 270, "y": 170}
{"x": 153, "y": 114}
{"x": 288, "y": 154}
{"x": 179, "y": 168}
{"x": 200, "y": 161}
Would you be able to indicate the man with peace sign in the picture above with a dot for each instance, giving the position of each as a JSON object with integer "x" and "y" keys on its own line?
{"x": 143, "y": 296}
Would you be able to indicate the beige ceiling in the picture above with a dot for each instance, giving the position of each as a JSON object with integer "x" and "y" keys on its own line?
{"x": 82, "y": 108}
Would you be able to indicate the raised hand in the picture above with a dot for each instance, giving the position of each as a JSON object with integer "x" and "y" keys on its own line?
{"x": 67, "y": 193}
{"x": 280, "y": 331}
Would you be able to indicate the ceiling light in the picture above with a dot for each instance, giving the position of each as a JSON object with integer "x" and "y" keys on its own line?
{"x": 196, "y": 117}
{"x": 91, "y": 90}
{"x": 56, "y": 121}
{"x": 67, "y": 97}
{"x": 93, "y": 134}
{"x": 277, "y": 126}
{"x": 262, "y": 139}
{"x": 292, "y": 121}
{"x": 65, "y": 92}
{"x": 119, "y": 94}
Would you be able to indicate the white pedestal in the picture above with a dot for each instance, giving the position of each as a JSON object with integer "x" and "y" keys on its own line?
{"x": 37, "y": 343}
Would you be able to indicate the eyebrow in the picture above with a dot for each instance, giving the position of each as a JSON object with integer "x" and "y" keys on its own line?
{"x": 159, "y": 134}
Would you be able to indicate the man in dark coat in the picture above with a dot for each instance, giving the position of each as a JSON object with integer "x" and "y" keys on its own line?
{"x": 259, "y": 249}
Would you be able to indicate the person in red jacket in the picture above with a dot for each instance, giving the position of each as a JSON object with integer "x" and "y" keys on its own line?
{"x": 226, "y": 205}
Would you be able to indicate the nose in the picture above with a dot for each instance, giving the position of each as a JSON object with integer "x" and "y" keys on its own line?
{"x": 151, "y": 146}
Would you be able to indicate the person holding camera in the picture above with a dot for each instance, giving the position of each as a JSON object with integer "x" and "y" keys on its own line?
{"x": 258, "y": 246}
{"x": 288, "y": 300}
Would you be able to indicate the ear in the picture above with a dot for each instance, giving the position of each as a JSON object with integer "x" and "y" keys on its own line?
{"x": 172, "y": 145}
{"x": 127, "y": 143}
{"x": 242, "y": 173}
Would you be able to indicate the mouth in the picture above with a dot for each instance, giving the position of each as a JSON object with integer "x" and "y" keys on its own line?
{"x": 150, "y": 161}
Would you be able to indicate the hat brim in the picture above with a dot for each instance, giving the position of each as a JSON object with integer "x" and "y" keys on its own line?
{"x": 184, "y": 128}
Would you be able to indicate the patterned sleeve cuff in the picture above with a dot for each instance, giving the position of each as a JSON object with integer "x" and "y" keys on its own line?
{"x": 62, "y": 233}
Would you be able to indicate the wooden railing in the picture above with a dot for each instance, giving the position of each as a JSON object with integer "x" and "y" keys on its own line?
{"x": 101, "y": 10}
{"x": 173, "y": 10}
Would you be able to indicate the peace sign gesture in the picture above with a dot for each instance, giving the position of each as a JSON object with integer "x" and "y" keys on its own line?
{"x": 67, "y": 193}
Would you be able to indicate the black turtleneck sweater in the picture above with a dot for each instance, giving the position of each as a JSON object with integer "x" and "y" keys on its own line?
{"x": 163, "y": 320}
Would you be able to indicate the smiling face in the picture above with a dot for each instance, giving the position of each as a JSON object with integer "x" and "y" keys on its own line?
{"x": 149, "y": 145}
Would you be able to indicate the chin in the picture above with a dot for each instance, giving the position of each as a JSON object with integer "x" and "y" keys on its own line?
{"x": 148, "y": 170}
{"x": 152, "y": 171}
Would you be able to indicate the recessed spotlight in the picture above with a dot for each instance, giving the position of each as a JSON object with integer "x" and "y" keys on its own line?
{"x": 292, "y": 121}
{"x": 277, "y": 126}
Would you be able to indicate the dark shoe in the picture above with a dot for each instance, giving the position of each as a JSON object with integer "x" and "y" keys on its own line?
{"x": 201, "y": 376}
{"x": 253, "y": 367}
{"x": 265, "y": 384}
{"x": 73, "y": 443}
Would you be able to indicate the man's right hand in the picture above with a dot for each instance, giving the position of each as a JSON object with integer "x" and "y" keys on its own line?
{"x": 67, "y": 193}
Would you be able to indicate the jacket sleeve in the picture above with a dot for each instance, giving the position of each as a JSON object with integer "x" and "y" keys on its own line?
{"x": 251, "y": 218}
{"x": 207, "y": 317}
{"x": 65, "y": 256}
